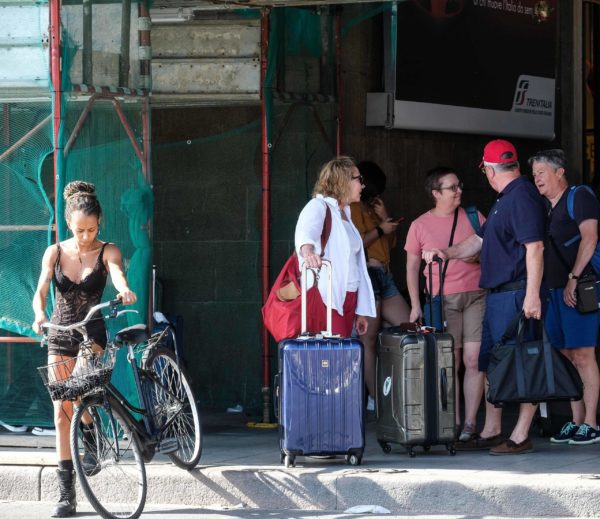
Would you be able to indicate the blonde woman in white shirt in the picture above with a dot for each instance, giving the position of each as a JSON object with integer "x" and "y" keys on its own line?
{"x": 339, "y": 184}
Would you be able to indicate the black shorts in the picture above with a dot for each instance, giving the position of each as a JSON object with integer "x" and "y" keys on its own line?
{"x": 66, "y": 344}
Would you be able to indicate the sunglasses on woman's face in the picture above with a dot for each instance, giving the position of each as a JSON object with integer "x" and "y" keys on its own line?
{"x": 359, "y": 178}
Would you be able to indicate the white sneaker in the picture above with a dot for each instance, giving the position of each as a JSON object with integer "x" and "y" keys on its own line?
{"x": 370, "y": 404}
{"x": 13, "y": 428}
{"x": 41, "y": 431}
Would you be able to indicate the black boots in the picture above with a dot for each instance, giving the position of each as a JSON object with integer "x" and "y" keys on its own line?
{"x": 66, "y": 503}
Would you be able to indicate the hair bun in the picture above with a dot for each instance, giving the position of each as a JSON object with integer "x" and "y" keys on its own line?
{"x": 79, "y": 188}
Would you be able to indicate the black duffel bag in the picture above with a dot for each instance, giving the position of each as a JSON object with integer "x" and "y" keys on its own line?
{"x": 532, "y": 371}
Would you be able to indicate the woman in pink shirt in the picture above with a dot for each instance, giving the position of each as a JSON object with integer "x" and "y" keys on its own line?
{"x": 464, "y": 301}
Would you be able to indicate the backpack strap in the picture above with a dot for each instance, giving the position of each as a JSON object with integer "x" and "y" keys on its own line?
{"x": 594, "y": 262}
{"x": 571, "y": 197}
{"x": 570, "y": 210}
{"x": 473, "y": 217}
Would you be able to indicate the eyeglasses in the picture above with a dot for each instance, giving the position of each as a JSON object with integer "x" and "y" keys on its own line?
{"x": 359, "y": 178}
{"x": 454, "y": 187}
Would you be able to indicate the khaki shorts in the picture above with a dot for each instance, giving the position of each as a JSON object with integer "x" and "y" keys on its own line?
{"x": 464, "y": 315}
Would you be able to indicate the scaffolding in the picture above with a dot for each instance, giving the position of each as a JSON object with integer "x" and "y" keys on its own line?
{"x": 77, "y": 106}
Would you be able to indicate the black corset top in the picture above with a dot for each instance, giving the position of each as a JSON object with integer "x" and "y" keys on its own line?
{"x": 73, "y": 300}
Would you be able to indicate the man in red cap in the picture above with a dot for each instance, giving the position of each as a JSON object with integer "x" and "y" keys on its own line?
{"x": 511, "y": 243}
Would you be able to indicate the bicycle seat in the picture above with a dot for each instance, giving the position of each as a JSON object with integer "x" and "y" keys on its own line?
{"x": 132, "y": 334}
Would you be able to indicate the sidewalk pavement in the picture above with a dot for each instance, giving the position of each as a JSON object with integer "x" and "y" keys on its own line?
{"x": 240, "y": 467}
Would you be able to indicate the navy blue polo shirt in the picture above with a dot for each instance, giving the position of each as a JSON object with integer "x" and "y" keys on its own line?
{"x": 562, "y": 228}
{"x": 518, "y": 217}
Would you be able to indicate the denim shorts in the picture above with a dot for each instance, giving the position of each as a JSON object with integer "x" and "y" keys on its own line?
{"x": 383, "y": 283}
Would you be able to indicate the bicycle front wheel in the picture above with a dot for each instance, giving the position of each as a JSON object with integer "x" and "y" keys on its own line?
{"x": 173, "y": 407}
{"x": 108, "y": 459}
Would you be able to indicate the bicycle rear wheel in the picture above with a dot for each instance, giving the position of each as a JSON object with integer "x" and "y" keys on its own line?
{"x": 108, "y": 459}
{"x": 173, "y": 406}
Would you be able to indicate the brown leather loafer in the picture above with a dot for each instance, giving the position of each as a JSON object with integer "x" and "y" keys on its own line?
{"x": 510, "y": 447}
{"x": 477, "y": 443}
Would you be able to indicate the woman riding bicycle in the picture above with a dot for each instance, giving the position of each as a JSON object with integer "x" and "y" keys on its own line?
{"x": 78, "y": 267}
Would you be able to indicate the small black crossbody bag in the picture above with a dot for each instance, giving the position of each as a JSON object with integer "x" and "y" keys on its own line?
{"x": 587, "y": 296}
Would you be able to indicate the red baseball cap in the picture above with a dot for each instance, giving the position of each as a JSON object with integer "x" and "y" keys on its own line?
{"x": 499, "y": 151}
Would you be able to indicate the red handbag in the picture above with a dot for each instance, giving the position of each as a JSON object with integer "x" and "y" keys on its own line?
{"x": 281, "y": 311}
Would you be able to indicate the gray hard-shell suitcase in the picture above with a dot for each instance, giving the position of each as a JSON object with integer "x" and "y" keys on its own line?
{"x": 415, "y": 388}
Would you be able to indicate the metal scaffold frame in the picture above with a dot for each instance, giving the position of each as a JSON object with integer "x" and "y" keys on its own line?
{"x": 115, "y": 95}
{"x": 267, "y": 147}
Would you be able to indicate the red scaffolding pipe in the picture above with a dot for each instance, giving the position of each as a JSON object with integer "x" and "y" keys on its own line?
{"x": 266, "y": 211}
{"x": 338, "y": 80}
{"x": 127, "y": 127}
{"x": 54, "y": 30}
{"x": 55, "y": 73}
{"x": 80, "y": 122}
{"x": 142, "y": 154}
{"x": 24, "y": 139}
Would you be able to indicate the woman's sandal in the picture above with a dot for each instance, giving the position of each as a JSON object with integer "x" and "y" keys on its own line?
{"x": 468, "y": 432}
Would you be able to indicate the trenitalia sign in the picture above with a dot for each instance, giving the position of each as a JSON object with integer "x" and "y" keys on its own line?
{"x": 469, "y": 66}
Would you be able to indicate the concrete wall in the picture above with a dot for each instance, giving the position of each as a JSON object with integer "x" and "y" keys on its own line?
{"x": 208, "y": 189}
{"x": 207, "y": 182}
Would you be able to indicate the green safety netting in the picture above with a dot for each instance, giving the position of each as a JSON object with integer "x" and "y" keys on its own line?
{"x": 95, "y": 144}
{"x": 103, "y": 151}
{"x": 301, "y": 134}
{"x": 26, "y": 211}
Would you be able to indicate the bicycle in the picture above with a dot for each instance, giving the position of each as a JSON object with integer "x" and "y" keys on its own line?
{"x": 109, "y": 443}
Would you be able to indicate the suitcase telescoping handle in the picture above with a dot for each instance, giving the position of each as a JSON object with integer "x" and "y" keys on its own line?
{"x": 305, "y": 268}
{"x": 440, "y": 263}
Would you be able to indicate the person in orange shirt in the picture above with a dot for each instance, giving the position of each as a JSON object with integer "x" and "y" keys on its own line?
{"x": 378, "y": 233}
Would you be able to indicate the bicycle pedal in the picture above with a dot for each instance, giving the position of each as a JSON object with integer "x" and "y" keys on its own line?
{"x": 167, "y": 445}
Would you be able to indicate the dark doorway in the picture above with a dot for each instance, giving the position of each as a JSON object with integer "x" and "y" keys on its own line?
{"x": 591, "y": 83}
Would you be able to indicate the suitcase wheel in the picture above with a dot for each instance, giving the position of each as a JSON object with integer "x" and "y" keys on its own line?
{"x": 281, "y": 457}
{"x": 411, "y": 452}
{"x": 385, "y": 447}
{"x": 451, "y": 449}
{"x": 353, "y": 459}
{"x": 289, "y": 461}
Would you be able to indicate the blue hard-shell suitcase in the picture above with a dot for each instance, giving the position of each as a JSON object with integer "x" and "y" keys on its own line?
{"x": 320, "y": 395}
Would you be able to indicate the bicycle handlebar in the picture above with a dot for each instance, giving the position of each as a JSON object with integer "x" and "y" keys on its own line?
{"x": 75, "y": 326}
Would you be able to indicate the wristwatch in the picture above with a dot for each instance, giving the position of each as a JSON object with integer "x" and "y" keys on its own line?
{"x": 573, "y": 276}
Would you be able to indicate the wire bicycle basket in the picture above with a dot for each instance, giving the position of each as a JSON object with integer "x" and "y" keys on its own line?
{"x": 74, "y": 377}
